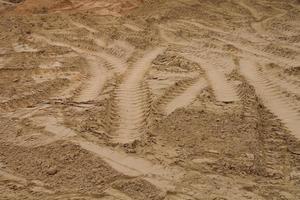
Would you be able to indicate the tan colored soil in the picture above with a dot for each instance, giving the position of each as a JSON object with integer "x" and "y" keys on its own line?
{"x": 150, "y": 100}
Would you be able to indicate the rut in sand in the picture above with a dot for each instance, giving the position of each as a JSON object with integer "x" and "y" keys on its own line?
{"x": 287, "y": 110}
{"x": 132, "y": 108}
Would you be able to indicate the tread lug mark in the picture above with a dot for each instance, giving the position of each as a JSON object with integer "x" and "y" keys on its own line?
{"x": 186, "y": 97}
{"x": 279, "y": 104}
{"x": 223, "y": 90}
{"x": 130, "y": 109}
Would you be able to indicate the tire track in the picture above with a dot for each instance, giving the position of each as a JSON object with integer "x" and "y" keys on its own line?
{"x": 132, "y": 27}
{"x": 112, "y": 62}
{"x": 159, "y": 81}
{"x": 258, "y": 52}
{"x": 259, "y": 25}
{"x": 121, "y": 49}
{"x": 201, "y": 26}
{"x": 171, "y": 39}
{"x": 223, "y": 90}
{"x": 98, "y": 62}
{"x": 251, "y": 10}
{"x": 172, "y": 92}
{"x": 287, "y": 85}
{"x": 286, "y": 53}
{"x": 186, "y": 97}
{"x": 98, "y": 73}
{"x": 129, "y": 165}
{"x": 117, "y": 65}
{"x": 277, "y": 102}
{"x": 95, "y": 83}
{"x": 118, "y": 48}
{"x": 133, "y": 166}
{"x": 131, "y": 101}
{"x": 79, "y": 25}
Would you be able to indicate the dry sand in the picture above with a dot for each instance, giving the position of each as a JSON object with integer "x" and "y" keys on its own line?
{"x": 150, "y": 100}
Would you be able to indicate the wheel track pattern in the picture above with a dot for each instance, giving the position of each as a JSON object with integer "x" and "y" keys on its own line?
{"x": 259, "y": 51}
{"x": 121, "y": 49}
{"x": 129, "y": 165}
{"x": 116, "y": 51}
{"x": 132, "y": 106}
{"x": 254, "y": 13}
{"x": 91, "y": 90}
{"x": 282, "y": 52}
{"x": 278, "y": 103}
{"x": 222, "y": 88}
{"x": 171, "y": 93}
{"x": 200, "y": 26}
{"x": 267, "y": 150}
{"x": 83, "y": 26}
{"x": 117, "y": 63}
{"x": 96, "y": 82}
{"x": 186, "y": 97}
{"x": 287, "y": 85}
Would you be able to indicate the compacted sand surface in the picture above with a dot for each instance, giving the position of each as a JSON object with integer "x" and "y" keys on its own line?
{"x": 150, "y": 100}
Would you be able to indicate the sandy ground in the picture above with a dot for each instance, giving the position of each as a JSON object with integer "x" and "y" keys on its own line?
{"x": 150, "y": 100}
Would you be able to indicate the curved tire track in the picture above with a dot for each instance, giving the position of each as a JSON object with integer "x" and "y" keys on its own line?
{"x": 98, "y": 73}
{"x": 186, "y": 97}
{"x": 129, "y": 165}
{"x": 287, "y": 85}
{"x": 223, "y": 90}
{"x": 131, "y": 108}
{"x": 96, "y": 82}
{"x": 277, "y": 102}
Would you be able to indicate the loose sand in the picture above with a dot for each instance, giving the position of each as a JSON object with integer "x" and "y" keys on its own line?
{"x": 150, "y": 100}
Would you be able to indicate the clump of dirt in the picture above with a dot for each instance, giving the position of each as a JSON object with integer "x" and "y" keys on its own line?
{"x": 175, "y": 63}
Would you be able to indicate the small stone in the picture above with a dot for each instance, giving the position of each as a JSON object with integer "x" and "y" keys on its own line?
{"x": 274, "y": 173}
{"x": 213, "y": 151}
{"x": 250, "y": 156}
{"x": 52, "y": 171}
{"x": 38, "y": 183}
{"x": 286, "y": 195}
{"x": 295, "y": 175}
